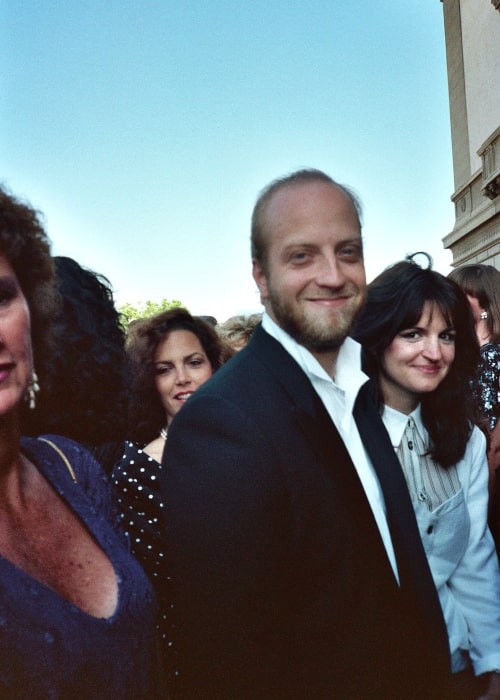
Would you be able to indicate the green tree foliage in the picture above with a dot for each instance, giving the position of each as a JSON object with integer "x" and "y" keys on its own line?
{"x": 131, "y": 312}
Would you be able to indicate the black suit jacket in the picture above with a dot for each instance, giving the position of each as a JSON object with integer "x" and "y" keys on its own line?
{"x": 280, "y": 583}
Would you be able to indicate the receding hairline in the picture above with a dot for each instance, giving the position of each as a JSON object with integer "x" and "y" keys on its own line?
{"x": 294, "y": 180}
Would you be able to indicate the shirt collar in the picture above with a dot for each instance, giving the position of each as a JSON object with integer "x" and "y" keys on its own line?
{"x": 395, "y": 423}
{"x": 348, "y": 374}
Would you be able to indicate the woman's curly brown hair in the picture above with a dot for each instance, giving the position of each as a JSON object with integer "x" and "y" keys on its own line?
{"x": 147, "y": 413}
{"x": 26, "y": 246}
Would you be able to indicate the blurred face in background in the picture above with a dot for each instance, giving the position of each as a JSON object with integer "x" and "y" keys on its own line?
{"x": 480, "y": 320}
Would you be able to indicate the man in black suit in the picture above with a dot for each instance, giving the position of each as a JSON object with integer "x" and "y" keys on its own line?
{"x": 296, "y": 567}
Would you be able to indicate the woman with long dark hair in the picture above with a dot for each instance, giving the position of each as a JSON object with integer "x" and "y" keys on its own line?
{"x": 420, "y": 348}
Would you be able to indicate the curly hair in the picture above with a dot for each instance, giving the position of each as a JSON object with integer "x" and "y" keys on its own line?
{"x": 147, "y": 413}
{"x": 88, "y": 397}
{"x": 26, "y": 246}
{"x": 395, "y": 301}
{"x": 237, "y": 330}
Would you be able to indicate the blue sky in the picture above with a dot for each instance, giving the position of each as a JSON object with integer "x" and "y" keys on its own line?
{"x": 144, "y": 131}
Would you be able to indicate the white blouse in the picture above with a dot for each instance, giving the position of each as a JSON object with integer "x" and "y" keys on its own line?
{"x": 451, "y": 509}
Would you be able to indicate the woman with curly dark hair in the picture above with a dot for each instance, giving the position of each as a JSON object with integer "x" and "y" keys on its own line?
{"x": 87, "y": 397}
{"x": 77, "y": 612}
{"x": 171, "y": 355}
{"x": 420, "y": 347}
{"x": 25, "y": 246}
{"x": 150, "y": 409}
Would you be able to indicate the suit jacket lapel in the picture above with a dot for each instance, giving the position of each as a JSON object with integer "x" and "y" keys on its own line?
{"x": 317, "y": 426}
{"x": 415, "y": 576}
{"x": 400, "y": 513}
{"x": 305, "y": 403}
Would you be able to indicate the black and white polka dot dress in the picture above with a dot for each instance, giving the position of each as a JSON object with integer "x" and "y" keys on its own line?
{"x": 136, "y": 481}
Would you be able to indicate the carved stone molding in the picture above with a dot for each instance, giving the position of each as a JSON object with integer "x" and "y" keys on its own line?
{"x": 475, "y": 244}
{"x": 490, "y": 156}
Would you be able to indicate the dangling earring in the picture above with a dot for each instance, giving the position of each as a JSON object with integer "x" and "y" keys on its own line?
{"x": 33, "y": 389}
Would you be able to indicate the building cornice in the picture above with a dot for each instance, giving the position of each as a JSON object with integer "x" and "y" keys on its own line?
{"x": 489, "y": 152}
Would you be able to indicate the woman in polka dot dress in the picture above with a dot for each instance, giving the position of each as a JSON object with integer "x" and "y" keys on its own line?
{"x": 171, "y": 354}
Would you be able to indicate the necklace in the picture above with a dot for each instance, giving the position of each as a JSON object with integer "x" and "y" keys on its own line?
{"x": 163, "y": 433}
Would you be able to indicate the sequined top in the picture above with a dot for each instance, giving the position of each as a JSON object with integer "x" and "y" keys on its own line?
{"x": 51, "y": 649}
{"x": 135, "y": 479}
{"x": 487, "y": 388}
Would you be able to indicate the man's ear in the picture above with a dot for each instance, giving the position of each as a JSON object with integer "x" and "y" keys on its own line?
{"x": 260, "y": 279}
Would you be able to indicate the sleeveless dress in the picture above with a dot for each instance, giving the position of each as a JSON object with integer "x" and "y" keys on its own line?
{"x": 49, "y": 648}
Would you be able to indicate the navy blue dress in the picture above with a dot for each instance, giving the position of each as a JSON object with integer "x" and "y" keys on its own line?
{"x": 49, "y": 648}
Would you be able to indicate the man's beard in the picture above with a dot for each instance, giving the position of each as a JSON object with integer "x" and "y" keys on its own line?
{"x": 317, "y": 334}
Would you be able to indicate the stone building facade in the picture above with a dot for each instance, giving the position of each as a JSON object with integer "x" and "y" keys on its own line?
{"x": 472, "y": 35}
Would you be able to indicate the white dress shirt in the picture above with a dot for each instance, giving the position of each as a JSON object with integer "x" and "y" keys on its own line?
{"x": 338, "y": 396}
{"x": 458, "y": 544}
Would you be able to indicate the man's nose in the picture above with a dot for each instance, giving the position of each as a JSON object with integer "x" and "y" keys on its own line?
{"x": 330, "y": 273}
